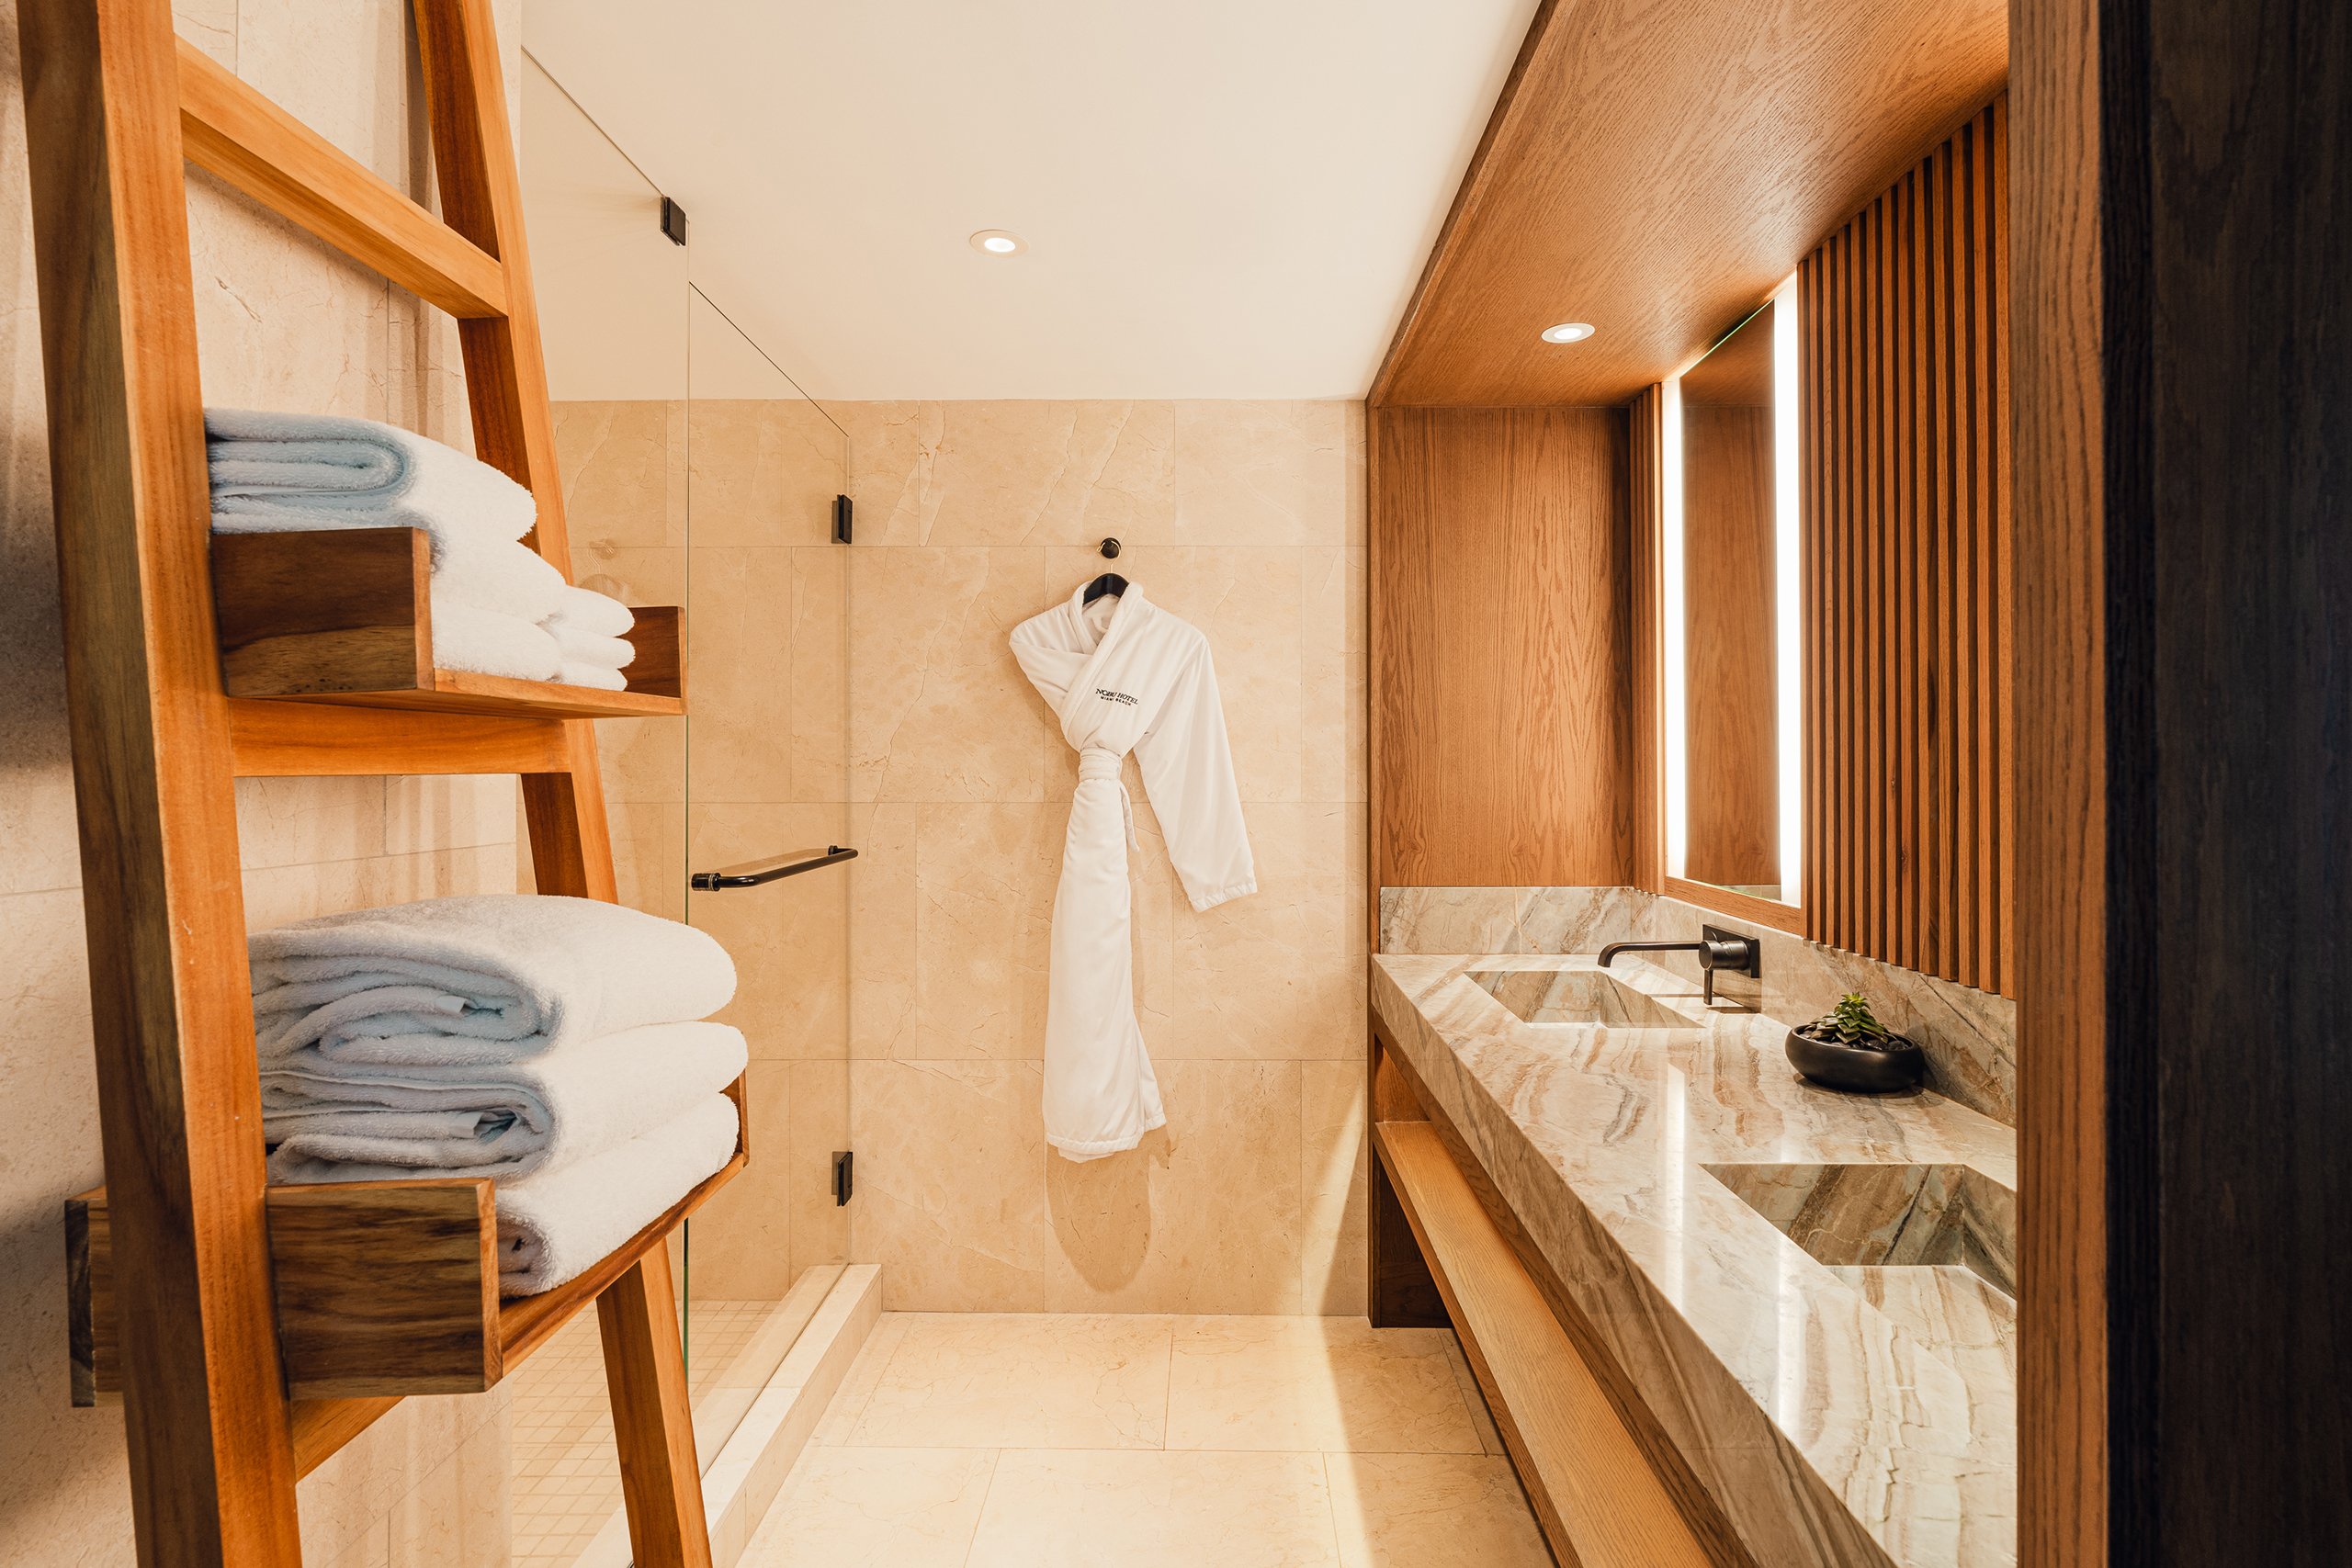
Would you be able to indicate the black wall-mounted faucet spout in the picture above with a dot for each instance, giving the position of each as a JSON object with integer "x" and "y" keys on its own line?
{"x": 1719, "y": 949}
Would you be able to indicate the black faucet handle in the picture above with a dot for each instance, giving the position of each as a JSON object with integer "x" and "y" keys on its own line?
{"x": 1721, "y": 949}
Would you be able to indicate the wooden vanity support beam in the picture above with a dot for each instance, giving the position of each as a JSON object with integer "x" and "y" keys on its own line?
{"x": 1401, "y": 1293}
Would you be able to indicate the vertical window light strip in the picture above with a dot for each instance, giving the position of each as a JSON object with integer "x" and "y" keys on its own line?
{"x": 1788, "y": 519}
{"x": 1677, "y": 761}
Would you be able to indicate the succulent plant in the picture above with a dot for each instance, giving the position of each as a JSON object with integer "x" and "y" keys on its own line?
{"x": 1853, "y": 1023}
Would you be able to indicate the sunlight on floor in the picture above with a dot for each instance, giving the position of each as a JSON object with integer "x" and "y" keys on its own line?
{"x": 971, "y": 1440}
{"x": 566, "y": 1471}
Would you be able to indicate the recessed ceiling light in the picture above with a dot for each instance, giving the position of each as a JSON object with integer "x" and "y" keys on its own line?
{"x": 998, "y": 243}
{"x": 1568, "y": 331}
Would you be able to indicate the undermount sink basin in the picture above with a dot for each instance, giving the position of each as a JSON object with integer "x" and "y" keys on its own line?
{"x": 1874, "y": 1216}
{"x": 1575, "y": 996}
{"x": 1932, "y": 1247}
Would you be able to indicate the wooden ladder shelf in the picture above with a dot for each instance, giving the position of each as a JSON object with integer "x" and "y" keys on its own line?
{"x": 254, "y": 1330}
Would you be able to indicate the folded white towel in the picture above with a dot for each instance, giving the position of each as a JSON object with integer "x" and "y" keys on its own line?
{"x": 590, "y": 647}
{"x": 501, "y": 575}
{"x": 592, "y": 675}
{"x": 556, "y": 1224}
{"x": 585, "y": 610}
{"x": 467, "y": 636}
{"x": 287, "y": 471}
{"x": 491, "y": 976}
{"x": 342, "y": 1121}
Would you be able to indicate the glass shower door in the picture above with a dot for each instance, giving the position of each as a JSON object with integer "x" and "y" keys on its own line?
{"x": 613, "y": 312}
{"x": 766, "y": 767}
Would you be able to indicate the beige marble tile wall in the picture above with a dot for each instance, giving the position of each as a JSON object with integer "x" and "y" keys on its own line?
{"x": 1969, "y": 1036}
{"x": 284, "y": 323}
{"x": 1246, "y": 519}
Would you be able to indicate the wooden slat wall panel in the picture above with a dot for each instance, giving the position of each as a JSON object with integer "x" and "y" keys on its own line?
{"x": 1910, "y": 850}
{"x": 1499, "y": 587}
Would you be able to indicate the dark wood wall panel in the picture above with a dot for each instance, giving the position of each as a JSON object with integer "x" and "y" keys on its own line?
{"x": 1501, "y": 648}
{"x": 1910, "y": 845}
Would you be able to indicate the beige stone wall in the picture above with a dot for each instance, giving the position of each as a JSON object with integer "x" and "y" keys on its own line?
{"x": 1246, "y": 519}
{"x": 284, "y": 323}
{"x": 869, "y": 696}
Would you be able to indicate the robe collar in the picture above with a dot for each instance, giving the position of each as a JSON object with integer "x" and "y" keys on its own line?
{"x": 1126, "y": 608}
{"x": 1130, "y": 610}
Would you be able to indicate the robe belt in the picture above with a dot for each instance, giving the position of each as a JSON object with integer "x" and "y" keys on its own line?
{"x": 1102, "y": 762}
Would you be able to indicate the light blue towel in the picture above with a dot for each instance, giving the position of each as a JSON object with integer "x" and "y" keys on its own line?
{"x": 334, "y": 1120}
{"x": 273, "y": 471}
{"x": 290, "y": 473}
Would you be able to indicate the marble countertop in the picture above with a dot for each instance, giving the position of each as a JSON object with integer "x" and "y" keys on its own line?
{"x": 1839, "y": 1415}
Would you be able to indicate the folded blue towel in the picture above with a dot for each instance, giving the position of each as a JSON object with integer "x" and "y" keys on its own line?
{"x": 290, "y": 473}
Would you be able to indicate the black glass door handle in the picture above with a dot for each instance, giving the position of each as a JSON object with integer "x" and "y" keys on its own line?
{"x": 751, "y": 873}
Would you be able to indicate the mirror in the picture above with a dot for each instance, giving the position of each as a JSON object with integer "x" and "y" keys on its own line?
{"x": 1734, "y": 710}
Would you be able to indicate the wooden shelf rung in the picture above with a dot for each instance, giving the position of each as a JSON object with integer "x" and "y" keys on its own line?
{"x": 228, "y": 128}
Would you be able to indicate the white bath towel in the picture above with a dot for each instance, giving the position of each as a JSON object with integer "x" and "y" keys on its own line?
{"x": 592, "y": 675}
{"x": 592, "y": 649}
{"x": 556, "y": 1224}
{"x": 492, "y": 977}
{"x": 501, "y": 575}
{"x": 344, "y": 1121}
{"x": 467, "y": 636}
{"x": 585, "y": 610}
{"x": 289, "y": 471}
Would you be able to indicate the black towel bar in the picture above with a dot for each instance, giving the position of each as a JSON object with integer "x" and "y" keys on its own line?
{"x": 751, "y": 873}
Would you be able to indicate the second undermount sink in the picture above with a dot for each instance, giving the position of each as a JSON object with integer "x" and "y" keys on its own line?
{"x": 1887, "y": 1215}
{"x": 1575, "y": 996}
{"x": 1932, "y": 1247}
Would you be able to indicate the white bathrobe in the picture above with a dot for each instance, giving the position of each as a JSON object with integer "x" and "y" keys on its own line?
{"x": 1124, "y": 675}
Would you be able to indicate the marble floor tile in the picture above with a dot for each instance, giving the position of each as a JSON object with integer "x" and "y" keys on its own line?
{"x": 875, "y": 1508}
{"x": 1472, "y": 1397}
{"x": 1022, "y": 1381}
{"x": 1432, "y": 1511}
{"x": 858, "y": 1384}
{"x": 1292, "y": 1384}
{"x": 1048, "y": 1509}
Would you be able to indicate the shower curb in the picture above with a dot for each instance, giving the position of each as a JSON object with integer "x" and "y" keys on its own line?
{"x": 738, "y": 1484}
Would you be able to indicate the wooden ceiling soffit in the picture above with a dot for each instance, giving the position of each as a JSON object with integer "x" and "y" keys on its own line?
{"x": 1657, "y": 168}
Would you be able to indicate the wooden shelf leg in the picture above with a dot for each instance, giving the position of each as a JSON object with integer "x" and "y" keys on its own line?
{"x": 645, "y": 1368}
{"x": 210, "y": 1457}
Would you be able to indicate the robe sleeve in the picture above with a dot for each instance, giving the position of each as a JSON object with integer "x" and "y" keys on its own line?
{"x": 1187, "y": 766}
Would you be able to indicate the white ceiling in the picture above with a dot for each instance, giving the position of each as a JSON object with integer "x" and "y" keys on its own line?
{"x": 1222, "y": 198}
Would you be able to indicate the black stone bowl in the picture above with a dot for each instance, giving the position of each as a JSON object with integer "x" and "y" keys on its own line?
{"x": 1853, "y": 1068}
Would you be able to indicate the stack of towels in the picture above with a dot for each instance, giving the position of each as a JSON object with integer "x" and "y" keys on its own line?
{"x": 554, "y": 1044}
{"x": 497, "y": 608}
